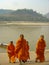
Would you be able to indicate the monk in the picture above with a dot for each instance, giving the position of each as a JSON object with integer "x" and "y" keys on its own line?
{"x": 40, "y": 48}
{"x": 27, "y": 52}
{"x": 11, "y": 52}
{"x": 21, "y": 49}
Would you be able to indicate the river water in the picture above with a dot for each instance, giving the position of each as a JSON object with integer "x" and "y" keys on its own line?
{"x": 31, "y": 33}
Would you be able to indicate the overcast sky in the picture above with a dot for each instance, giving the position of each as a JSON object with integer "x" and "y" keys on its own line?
{"x": 41, "y": 6}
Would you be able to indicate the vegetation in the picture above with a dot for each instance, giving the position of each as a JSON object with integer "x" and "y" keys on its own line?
{"x": 22, "y": 15}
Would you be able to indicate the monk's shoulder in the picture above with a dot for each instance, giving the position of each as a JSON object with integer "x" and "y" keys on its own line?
{"x": 13, "y": 45}
{"x": 38, "y": 42}
{"x": 8, "y": 46}
{"x": 18, "y": 42}
{"x": 44, "y": 41}
{"x": 24, "y": 39}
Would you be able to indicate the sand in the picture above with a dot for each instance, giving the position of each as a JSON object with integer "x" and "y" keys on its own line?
{"x": 4, "y": 59}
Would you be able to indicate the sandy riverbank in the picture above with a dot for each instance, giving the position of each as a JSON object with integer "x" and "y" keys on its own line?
{"x": 25, "y": 23}
{"x": 4, "y": 59}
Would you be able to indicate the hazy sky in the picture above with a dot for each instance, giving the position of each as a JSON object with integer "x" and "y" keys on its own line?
{"x": 41, "y": 6}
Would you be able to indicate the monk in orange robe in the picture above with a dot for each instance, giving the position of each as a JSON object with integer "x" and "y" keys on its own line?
{"x": 40, "y": 48}
{"x": 27, "y": 52}
{"x": 21, "y": 49}
{"x": 11, "y": 52}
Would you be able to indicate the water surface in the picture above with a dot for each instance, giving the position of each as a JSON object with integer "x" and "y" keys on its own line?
{"x": 31, "y": 33}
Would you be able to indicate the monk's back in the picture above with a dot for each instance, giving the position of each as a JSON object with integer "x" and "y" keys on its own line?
{"x": 41, "y": 44}
{"x": 22, "y": 44}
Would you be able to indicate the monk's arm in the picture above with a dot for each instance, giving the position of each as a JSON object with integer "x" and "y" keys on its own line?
{"x": 27, "y": 47}
{"x": 8, "y": 50}
{"x": 44, "y": 44}
{"x": 37, "y": 44}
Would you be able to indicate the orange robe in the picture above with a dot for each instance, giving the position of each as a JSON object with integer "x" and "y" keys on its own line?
{"x": 11, "y": 53}
{"x": 27, "y": 51}
{"x": 40, "y": 48}
{"x": 21, "y": 49}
